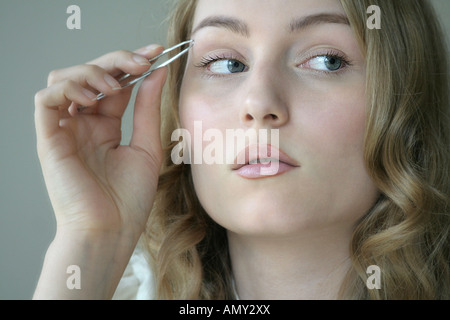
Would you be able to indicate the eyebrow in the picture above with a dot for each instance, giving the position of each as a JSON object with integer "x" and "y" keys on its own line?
{"x": 240, "y": 27}
{"x": 232, "y": 24}
{"x": 322, "y": 18}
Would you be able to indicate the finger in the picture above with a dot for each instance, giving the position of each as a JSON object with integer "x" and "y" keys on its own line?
{"x": 50, "y": 101}
{"x": 87, "y": 76}
{"x": 148, "y": 49}
{"x": 147, "y": 112}
{"x": 107, "y": 108}
{"x": 122, "y": 61}
{"x": 95, "y": 78}
{"x": 112, "y": 63}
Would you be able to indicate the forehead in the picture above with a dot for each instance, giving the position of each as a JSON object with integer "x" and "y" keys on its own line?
{"x": 265, "y": 12}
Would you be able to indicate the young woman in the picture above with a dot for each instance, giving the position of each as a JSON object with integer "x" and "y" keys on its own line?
{"x": 362, "y": 117}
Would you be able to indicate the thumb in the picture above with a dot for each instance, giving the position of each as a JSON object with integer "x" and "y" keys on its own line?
{"x": 147, "y": 113}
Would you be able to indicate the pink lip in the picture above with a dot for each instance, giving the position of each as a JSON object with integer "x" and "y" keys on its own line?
{"x": 259, "y": 170}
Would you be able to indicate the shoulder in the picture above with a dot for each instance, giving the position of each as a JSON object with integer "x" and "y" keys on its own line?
{"x": 137, "y": 282}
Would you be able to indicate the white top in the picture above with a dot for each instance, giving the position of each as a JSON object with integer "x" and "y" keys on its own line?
{"x": 137, "y": 282}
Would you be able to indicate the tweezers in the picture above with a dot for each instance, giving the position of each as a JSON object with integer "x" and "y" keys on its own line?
{"x": 189, "y": 44}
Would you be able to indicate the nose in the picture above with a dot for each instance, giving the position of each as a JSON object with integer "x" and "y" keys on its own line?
{"x": 264, "y": 103}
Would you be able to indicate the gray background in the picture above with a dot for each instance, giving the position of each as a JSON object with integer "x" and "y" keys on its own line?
{"x": 33, "y": 41}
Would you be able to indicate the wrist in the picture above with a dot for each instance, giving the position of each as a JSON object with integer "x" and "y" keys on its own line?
{"x": 84, "y": 265}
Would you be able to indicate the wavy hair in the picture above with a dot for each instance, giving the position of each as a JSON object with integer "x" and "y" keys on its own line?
{"x": 406, "y": 152}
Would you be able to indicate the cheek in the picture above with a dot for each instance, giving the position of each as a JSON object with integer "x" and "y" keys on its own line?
{"x": 194, "y": 108}
{"x": 333, "y": 124}
{"x": 331, "y": 144}
{"x": 207, "y": 117}
{"x": 200, "y": 111}
{"x": 341, "y": 134}
{"x": 200, "y": 115}
{"x": 209, "y": 110}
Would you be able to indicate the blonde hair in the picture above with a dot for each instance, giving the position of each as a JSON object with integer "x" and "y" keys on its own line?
{"x": 407, "y": 139}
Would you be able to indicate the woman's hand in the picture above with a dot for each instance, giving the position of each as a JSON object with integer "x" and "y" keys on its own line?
{"x": 99, "y": 189}
{"x": 95, "y": 183}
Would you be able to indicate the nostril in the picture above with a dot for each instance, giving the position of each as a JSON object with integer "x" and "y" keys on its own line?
{"x": 271, "y": 116}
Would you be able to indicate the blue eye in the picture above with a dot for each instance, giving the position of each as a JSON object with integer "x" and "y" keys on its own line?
{"x": 222, "y": 65}
{"x": 327, "y": 63}
{"x": 227, "y": 66}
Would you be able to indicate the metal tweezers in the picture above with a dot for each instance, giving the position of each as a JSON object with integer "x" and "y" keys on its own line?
{"x": 189, "y": 44}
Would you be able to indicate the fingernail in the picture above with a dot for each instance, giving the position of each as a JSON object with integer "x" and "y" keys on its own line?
{"x": 152, "y": 47}
{"x": 112, "y": 82}
{"x": 89, "y": 94}
{"x": 141, "y": 60}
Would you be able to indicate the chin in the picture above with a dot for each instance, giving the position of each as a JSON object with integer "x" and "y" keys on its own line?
{"x": 262, "y": 215}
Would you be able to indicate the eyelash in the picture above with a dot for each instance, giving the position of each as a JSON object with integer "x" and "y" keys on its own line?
{"x": 208, "y": 60}
{"x": 331, "y": 54}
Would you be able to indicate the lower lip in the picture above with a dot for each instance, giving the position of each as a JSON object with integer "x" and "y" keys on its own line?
{"x": 260, "y": 170}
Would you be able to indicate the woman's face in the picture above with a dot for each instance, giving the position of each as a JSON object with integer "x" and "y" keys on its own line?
{"x": 292, "y": 67}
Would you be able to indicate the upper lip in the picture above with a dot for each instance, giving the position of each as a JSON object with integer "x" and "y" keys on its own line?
{"x": 256, "y": 152}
